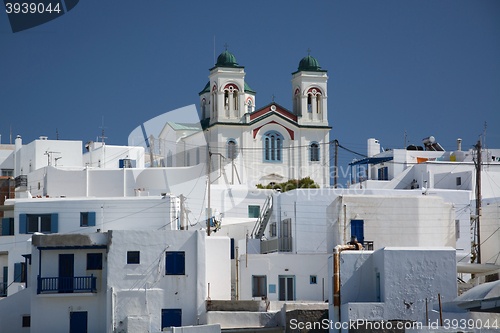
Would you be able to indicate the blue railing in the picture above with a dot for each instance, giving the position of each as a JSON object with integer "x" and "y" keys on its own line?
{"x": 3, "y": 289}
{"x": 67, "y": 284}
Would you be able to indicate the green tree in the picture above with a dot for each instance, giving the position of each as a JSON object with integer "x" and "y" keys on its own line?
{"x": 292, "y": 184}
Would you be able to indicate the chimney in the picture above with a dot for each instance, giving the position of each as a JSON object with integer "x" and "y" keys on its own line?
{"x": 459, "y": 144}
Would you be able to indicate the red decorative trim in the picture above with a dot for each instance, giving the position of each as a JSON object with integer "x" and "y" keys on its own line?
{"x": 311, "y": 91}
{"x": 278, "y": 110}
{"x": 291, "y": 132}
{"x": 231, "y": 85}
{"x": 249, "y": 98}
{"x": 214, "y": 88}
{"x": 297, "y": 91}
{"x": 203, "y": 100}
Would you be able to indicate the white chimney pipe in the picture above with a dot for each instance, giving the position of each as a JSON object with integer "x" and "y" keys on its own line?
{"x": 459, "y": 144}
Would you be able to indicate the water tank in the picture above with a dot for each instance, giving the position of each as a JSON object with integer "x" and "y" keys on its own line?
{"x": 428, "y": 140}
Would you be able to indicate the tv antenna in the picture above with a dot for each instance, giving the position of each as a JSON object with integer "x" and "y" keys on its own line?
{"x": 102, "y": 127}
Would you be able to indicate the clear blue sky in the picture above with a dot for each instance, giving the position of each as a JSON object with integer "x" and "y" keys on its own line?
{"x": 425, "y": 67}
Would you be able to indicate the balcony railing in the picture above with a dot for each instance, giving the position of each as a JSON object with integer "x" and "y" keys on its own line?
{"x": 21, "y": 181}
{"x": 282, "y": 244}
{"x": 3, "y": 289}
{"x": 80, "y": 284}
{"x": 368, "y": 245}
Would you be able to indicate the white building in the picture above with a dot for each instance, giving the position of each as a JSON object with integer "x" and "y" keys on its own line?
{"x": 128, "y": 281}
{"x": 267, "y": 145}
{"x": 415, "y": 167}
{"x": 75, "y": 215}
{"x": 391, "y": 284}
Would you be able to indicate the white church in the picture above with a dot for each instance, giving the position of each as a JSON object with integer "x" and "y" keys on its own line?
{"x": 256, "y": 146}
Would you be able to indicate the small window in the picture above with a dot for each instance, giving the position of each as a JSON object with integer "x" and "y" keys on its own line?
{"x": 314, "y": 152}
{"x": 7, "y": 173}
{"x": 46, "y": 223}
{"x": 313, "y": 279}
{"x": 259, "y": 286}
{"x": 84, "y": 219}
{"x": 94, "y": 261}
{"x": 253, "y": 211}
{"x": 133, "y": 257}
{"x": 175, "y": 263}
{"x": 26, "y": 321}
{"x": 231, "y": 149}
{"x": 459, "y": 181}
{"x": 272, "y": 289}
{"x": 87, "y": 219}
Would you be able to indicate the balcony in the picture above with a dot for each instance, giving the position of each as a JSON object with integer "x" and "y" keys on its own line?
{"x": 281, "y": 244}
{"x": 79, "y": 284}
{"x": 21, "y": 181}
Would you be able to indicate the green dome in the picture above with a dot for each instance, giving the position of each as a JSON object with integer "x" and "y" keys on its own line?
{"x": 309, "y": 64}
{"x": 226, "y": 59}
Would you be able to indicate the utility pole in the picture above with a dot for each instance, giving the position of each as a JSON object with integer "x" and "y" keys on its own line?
{"x": 182, "y": 218}
{"x": 335, "y": 177}
{"x": 151, "y": 150}
{"x": 478, "y": 200}
{"x": 209, "y": 215}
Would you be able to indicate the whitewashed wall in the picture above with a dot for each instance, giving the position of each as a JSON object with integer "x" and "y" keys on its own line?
{"x": 407, "y": 277}
{"x": 144, "y": 289}
{"x": 272, "y": 265}
{"x": 417, "y": 221}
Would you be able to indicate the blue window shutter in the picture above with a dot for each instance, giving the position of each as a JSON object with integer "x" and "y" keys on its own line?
{"x": 170, "y": 263}
{"x": 181, "y": 263}
{"x": 232, "y": 248}
{"x": 171, "y": 317}
{"x": 120, "y": 164}
{"x": 23, "y": 228}
{"x": 5, "y": 226}
{"x": 17, "y": 272}
{"x": 91, "y": 219}
{"x": 54, "y": 223}
{"x": 357, "y": 230}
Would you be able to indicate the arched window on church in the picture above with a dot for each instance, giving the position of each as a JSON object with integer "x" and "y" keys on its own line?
{"x": 203, "y": 109}
{"x": 309, "y": 103}
{"x": 318, "y": 103}
{"x": 249, "y": 106}
{"x": 231, "y": 149}
{"x": 314, "y": 152}
{"x": 235, "y": 100}
{"x": 273, "y": 146}
{"x": 226, "y": 100}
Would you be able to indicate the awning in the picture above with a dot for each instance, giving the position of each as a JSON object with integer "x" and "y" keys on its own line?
{"x": 482, "y": 298}
{"x": 372, "y": 160}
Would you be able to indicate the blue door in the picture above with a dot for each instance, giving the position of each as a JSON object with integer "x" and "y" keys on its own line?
{"x": 78, "y": 322}
{"x": 357, "y": 230}
{"x": 66, "y": 272}
{"x": 171, "y": 317}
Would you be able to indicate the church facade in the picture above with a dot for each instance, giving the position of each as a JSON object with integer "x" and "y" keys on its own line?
{"x": 257, "y": 146}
